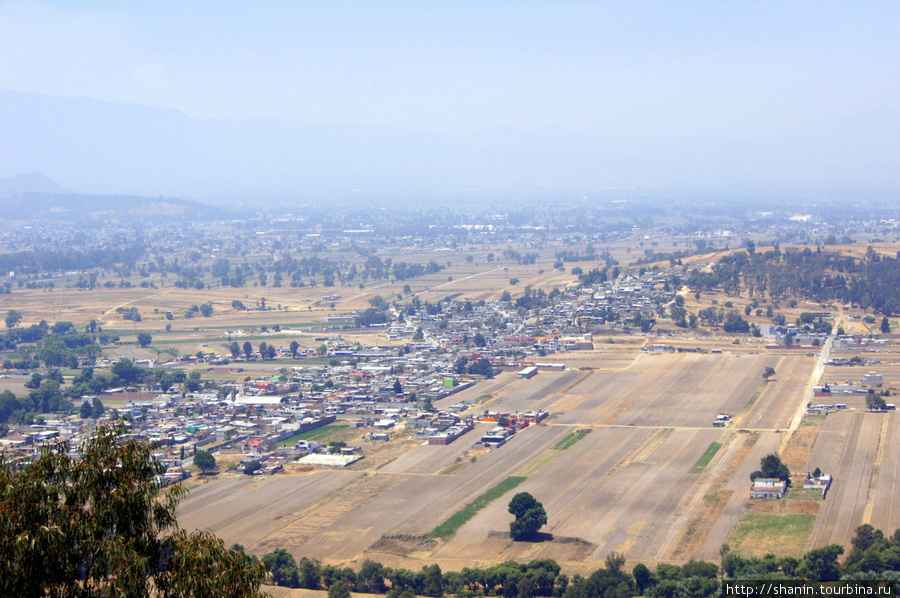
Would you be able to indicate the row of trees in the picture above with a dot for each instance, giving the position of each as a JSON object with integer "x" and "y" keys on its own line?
{"x": 540, "y": 577}
{"x": 872, "y": 556}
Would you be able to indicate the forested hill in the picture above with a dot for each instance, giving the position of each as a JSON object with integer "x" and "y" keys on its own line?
{"x": 71, "y": 206}
{"x": 871, "y": 282}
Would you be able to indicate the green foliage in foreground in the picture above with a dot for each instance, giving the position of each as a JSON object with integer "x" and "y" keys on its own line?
{"x": 706, "y": 457}
{"x": 98, "y": 524}
{"x": 458, "y": 519}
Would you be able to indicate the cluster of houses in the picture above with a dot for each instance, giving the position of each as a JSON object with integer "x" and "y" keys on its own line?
{"x": 774, "y": 488}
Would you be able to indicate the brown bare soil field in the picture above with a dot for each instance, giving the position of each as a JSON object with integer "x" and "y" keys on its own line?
{"x": 779, "y": 399}
{"x": 795, "y": 454}
{"x": 883, "y": 506}
{"x": 624, "y": 487}
{"x": 668, "y": 390}
{"x": 846, "y": 448}
{"x": 248, "y": 510}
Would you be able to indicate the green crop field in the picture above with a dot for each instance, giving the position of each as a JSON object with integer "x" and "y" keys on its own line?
{"x": 458, "y": 519}
{"x": 706, "y": 457}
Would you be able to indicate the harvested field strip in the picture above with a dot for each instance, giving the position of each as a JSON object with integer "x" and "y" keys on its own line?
{"x": 782, "y": 534}
{"x": 541, "y": 461}
{"x": 568, "y": 441}
{"x": 458, "y": 519}
{"x": 706, "y": 457}
{"x": 538, "y": 463}
{"x": 755, "y": 396}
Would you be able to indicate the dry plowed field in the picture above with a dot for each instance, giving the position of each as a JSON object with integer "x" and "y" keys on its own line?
{"x": 847, "y": 448}
{"x": 625, "y": 486}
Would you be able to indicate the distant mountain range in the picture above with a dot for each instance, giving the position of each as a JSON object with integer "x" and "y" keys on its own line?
{"x": 29, "y": 182}
{"x": 33, "y": 196}
{"x": 103, "y": 148}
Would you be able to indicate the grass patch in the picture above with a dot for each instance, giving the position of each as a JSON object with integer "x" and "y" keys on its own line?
{"x": 782, "y": 534}
{"x": 706, "y": 457}
{"x": 568, "y": 441}
{"x": 801, "y": 493}
{"x": 325, "y": 434}
{"x": 483, "y": 399}
{"x": 537, "y": 464}
{"x": 458, "y": 519}
{"x": 754, "y": 397}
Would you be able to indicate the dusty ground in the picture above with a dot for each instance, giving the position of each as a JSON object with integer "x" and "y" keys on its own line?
{"x": 624, "y": 487}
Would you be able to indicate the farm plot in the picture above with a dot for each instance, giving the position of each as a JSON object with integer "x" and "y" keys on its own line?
{"x": 846, "y": 448}
{"x": 779, "y": 399}
{"x": 429, "y": 458}
{"x": 668, "y": 390}
{"x": 536, "y": 393}
{"x": 248, "y": 509}
{"x": 410, "y": 505}
{"x": 615, "y": 489}
{"x": 730, "y": 484}
{"x": 883, "y": 508}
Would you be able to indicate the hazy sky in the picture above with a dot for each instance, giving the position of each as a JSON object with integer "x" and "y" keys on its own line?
{"x": 618, "y": 68}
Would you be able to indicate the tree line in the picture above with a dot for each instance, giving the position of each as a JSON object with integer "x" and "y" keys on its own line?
{"x": 872, "y": 556}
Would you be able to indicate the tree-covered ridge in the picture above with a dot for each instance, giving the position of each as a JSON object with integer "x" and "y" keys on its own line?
{"x": 872, "y": 282}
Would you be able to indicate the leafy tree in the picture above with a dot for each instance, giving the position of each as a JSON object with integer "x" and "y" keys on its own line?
{"x": 206, "y": 310}
{"x": 875, "y": 401}
{"x": 371, "y": 577}
{"x": 13, "y": 318}
{"x": 433, "y": 583}
{"x": 641, "y": 577}
{"x": 294, "y": 346}
{"x": 338, "y": 590}
{"x": 398, "y": 388}
{"x": 481, "y": 367}
{"x": 771, "y": 467}
{"x": 97, "y": 409}
{"x": 205, "y": 461}
{"x": 821, "y": 563}
{"x": 308, "y": 572}
{"x": 252, "y": 467}
{"x": 885, "y": 325}
{"x": 248, "y": 349}
{"x": 768, "y": 373}
{"x": 282, "y": 568}
{"x": 86, "y": 410}
{"x": 479, "y": 340}
{"x": 100, "y": 525}
{"x": 236, "y": 304}
{"x": 530, "y": 516}
{"x": 735, "y": 323}
{"x": 144, "y": 339}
